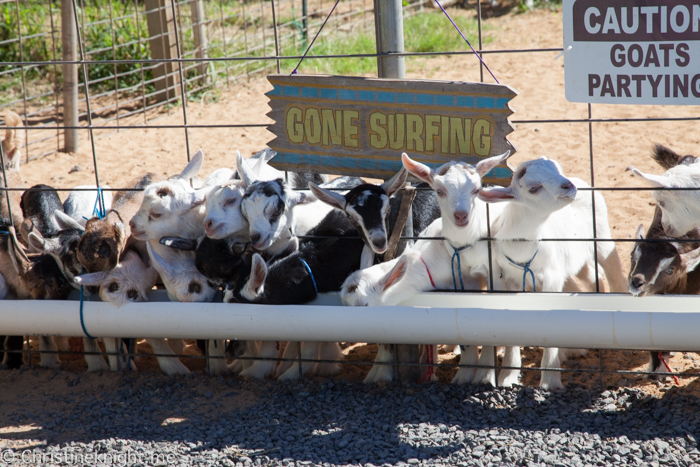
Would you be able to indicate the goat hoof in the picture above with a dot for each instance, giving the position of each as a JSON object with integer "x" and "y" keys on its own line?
{"x": 508, "y": 378}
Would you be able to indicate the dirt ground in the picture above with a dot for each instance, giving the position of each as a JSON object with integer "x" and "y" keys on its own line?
{"x": 539, "y": 80}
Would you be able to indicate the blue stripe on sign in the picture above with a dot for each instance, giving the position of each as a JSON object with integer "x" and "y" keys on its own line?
{"x": 290, "y": 91}
{"x": 464, "y": 101}
{"x": 276, "y": 91}
{"x": 425, "y": 99}
{"x": 366, "y": 95}
{"x": 445, "y": 100}
{"x": 326, "y": 93}
{"x": 502, "y": 103}
{"x": 309, "y": 92}
{"x": 346, "y": 94}
{"x": 385, "y": 96}
{"x": 486, "y": 102}
{"x": 405, "y": 98}
{"x": 499, "y": 172}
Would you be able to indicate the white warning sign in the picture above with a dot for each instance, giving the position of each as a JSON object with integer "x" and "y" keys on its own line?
{"x": 632, "y": 51}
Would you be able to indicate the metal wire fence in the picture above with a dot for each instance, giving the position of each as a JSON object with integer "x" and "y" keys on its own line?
{"x": 210, "y": 44}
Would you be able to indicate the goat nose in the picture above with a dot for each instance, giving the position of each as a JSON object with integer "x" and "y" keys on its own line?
{"x": 637, "y": 282}
{"x": 567, "y": 186}
{"x": 461, "y": 216}
{"x": 132, "y": 226}
{"x": 255, "y": 238}
{"x": 209, "y": 224}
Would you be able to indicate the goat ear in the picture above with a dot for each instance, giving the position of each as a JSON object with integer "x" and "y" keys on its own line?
{"x": 119, "y": 231}
{"x": 639, "y": 234}
{"x": 331, "y": 198}
{"x": 256, "y": 280}
{"x": 657, "y": 181}
{"x": 36, "y": 242}
{"x": 392, "y": 185}
{"x": 66, "y": 222}
{"x": 178, "y": 243}
{"x": 483, "y": 167}
{"x": 421, "y": 171}
{"x": 193, "y": 166}
{"x": 245, "y": 172}
{"x": 263, "y": 157}
{"x": 159, "y": 264}
{"x": 496, "y": 195}
{"x": 94, "y": 278}
{"x": 691, "y": 260}
{"x": 299, "y": 197}
{"x": 395, "y": 275}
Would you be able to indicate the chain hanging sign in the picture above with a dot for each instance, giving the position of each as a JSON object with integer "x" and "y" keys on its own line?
{"x": 360, "y": 126}
{"x": 632, "y": 51}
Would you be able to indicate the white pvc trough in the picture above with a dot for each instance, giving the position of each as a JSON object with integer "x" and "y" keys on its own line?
{"x": 557, "y": 320}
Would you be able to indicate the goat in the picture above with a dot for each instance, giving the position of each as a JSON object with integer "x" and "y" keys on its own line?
{"x": 425, "y": 265}
{"x": 131, "y": 281}
{"x": 320, "y": 265}
{"x": 664, "y": 267}
{"x": 543, "y": 203}
{"x": 680, "y": 208}
{"x": 38, "y": 205}
{"x": 34, "y": 277}
{"x": 82, "y": 203}
{"x": 62, "y": 245}
{"x": 185, "y": 283}
{"x": 106, "y": 239}
{"x": 11, "y": 157}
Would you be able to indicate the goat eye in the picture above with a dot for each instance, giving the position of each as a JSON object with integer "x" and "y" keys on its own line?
{"x": 113, "y": 287}
{"x": 162, "y": 193}
{"x": 194, "y": 288}
{"x": 534, "y": 189}
{"x": 132, "y": 295}
{"x": 230, "y": 201}
{"x": 155, "y": 215}
{"x": 670, "y": 270}
{"x": 440, "y": 193}
{"x": 662, "y": 204}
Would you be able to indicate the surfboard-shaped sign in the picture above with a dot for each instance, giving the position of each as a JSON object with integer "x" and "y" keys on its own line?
{"x": 360, "y": 126}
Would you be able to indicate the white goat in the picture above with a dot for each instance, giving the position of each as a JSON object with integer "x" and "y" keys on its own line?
{"x": 130, "y": 281}
{"x": 82, "y": 201}
{"x": 680, "y": 208}
{"x": 185, "y": 283}
{"x": 544, "y": 204}
{"x": 433, "y": 264}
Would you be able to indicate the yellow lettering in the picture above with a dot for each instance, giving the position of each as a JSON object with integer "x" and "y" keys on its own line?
{"x": 432, "y": 131}
{"x": 445, "y": 134}
{"x": 377, "y": 137}
{"x": 312, "y": 126}
{"x": 350, "y": 129}
{"x": 460, "y": 132}
{"x": 332, "y": 127}
{"x": 293, "y": 125}
{"x": 482, "y": 137}
{"x": 414, "y": 132}
{"x": 397, "y": 127}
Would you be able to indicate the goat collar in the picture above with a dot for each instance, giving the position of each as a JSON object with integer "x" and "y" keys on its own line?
{"x": 526, "y": 268}
{"x": 456, "y": 255}
{"x": 311, "y": 274}
{"x": 428, "y": 271}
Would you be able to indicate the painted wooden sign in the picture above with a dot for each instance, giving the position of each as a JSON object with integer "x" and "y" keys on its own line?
{"x": 360, "y": 126}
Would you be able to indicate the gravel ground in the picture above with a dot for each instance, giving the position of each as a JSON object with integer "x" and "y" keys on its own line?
{"x": 59, "y": 418}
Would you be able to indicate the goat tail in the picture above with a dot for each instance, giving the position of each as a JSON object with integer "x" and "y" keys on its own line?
{"x": 665, "y": 157}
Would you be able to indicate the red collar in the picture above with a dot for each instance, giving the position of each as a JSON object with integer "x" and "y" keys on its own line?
{"x": 428, "y": 271}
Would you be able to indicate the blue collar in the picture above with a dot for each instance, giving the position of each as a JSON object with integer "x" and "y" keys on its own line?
{"x": 456, "y": 253}
{"x": 311, "y": 274}
{"x": 526, "y": 268}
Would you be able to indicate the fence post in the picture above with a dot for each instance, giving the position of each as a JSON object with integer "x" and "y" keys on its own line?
{"x": 69, "y": 40}
{"x": 161, "y": 32}
{"x": 388, "y": 21}
{"x": 200, "y": 36}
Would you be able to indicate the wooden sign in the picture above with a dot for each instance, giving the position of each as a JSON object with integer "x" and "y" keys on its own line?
{"x": 360, "y": 126}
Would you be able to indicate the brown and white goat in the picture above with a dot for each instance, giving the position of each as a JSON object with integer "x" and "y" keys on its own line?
{"x": 106, "y": 239}
{"x": 664, "y": 267}
{"x": 11, "y": 155}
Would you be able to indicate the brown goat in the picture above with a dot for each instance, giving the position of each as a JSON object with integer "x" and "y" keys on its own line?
{"x": 11, "y": 154}
{"x": 35, "y": 277}
{"x": 664, "y": 267}
{"x": 105, "y": 239}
